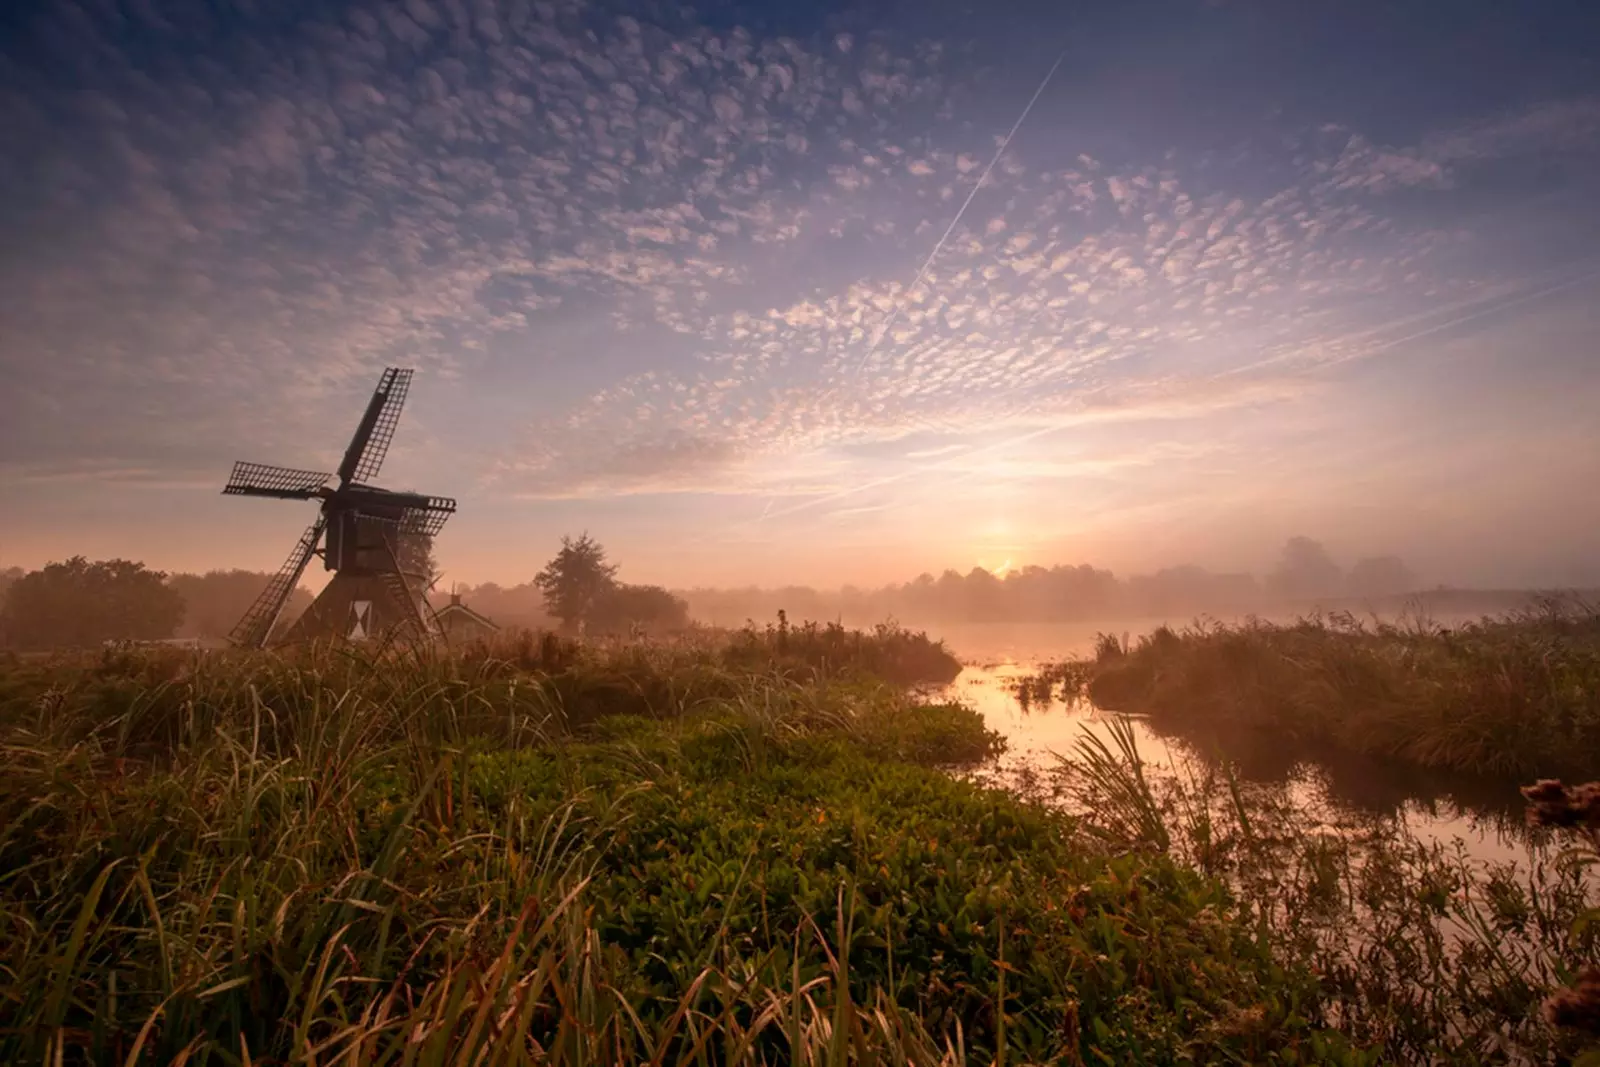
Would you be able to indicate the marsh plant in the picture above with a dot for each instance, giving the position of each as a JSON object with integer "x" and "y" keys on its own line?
{"x": 1420, "y": 951}
{"x": 551, "y": 851}
{"x": 1513, "y": 696}
{"x": 625, "y": 855}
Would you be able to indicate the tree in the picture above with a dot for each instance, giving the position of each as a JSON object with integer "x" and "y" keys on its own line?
{"x": 8, "y": 577}
{"x": 1378, "y": 576}
{"x": 413, "y": 552}
{"x": 576, "y": 579}
{"x": 78, "y": 604}
{"x": 1306, "y": 571}
{"x": 623, "y": 607}
{"x": 214, "y": 602}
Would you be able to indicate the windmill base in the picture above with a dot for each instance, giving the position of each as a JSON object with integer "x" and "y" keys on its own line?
{"x": 367, "y": 607}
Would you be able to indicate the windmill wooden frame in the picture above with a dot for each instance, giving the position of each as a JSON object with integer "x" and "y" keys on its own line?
{"x": 359, "y": 532}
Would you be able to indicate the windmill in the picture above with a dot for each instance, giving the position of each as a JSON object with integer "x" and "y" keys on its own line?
{"x": 376, "y": 592}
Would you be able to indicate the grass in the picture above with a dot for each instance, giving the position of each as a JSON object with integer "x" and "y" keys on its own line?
{"x": 1422, "y": 954}
{"x": 889, "y": 652}
{"x": 1517, "y": 696}
{"x": 547, "y": 852}
{"x": 886, "y": 654}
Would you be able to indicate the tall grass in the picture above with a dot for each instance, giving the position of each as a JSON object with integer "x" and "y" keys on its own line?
{"x": 560, "y": 853}
{"x": 1421, "y": 953}
{"x": 1518, "y": 696}
{"x": 887, "y": 651}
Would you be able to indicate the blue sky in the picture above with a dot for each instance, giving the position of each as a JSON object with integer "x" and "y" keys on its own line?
{"x": 675, "y": 275}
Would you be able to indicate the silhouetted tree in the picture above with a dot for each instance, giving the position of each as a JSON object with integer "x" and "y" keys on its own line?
{"x": 983, "y": 595}
{"x": 623, "y": 607}
{"x": 577, "y": 578}
{"x": 8, "y": 576}
{"x": 215, "y": 601}
{"x": 414, "y": 554}
{"x": 77, "y": 604}
{"x": 1380, "y": 576}
{"x": 1306, "y": 571}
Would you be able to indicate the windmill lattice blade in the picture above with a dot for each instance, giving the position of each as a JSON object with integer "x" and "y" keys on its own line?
{"x": 371, "y": 442}
{"x": 253, "y": 630}
{"x": 420, "y": 623}
{"x": 263, "y": 479}
{"x": 430, "y": 520}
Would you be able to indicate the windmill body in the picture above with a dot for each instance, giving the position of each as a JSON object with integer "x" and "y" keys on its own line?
{"x": 369, "y": 537}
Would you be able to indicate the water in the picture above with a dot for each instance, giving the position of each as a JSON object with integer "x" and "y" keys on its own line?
{"x": 1330, "y": 790}
{"x": 1376, "y": 811}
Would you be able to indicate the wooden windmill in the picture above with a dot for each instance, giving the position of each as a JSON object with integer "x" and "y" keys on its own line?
{"x": 362, "y": 533}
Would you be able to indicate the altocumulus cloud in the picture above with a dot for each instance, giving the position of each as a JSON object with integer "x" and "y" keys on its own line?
{"x": 223, "y": 224}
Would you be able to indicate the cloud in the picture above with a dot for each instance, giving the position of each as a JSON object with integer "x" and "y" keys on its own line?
{"x": 685, "y": 258}
{"x": 1554, "y": 126}
{"x": 654, "y": 464}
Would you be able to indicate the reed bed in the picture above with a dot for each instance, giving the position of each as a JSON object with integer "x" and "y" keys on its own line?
{"x": 1517, "y": 696}
{"x": 546, "y": 852}
{"x": 1422, "y": 954}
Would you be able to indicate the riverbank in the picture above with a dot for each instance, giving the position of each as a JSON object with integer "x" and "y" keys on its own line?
{"x": 1517, "y": 696}
{"x": 545, "y": 851}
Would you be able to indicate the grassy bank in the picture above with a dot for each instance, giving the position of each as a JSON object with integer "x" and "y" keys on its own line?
{"x": 1421, "y": 951}
{"x": 549, "y": 852}
{"x": 1513, "y": 696}
{"x": 810, "y": 651}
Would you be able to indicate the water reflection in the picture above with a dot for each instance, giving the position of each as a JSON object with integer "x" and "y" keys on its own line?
{"x": 1332, "y": 789}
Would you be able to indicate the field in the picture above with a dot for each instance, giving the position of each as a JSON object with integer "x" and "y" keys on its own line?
{"x": 747, "y": 850}
{"x": 1513, "y": 696}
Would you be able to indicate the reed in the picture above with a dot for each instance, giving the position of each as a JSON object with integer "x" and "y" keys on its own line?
{"x": 1422, "y": 954}
{"x": 1516, "y": 696}
{"x": 579, "y": 853}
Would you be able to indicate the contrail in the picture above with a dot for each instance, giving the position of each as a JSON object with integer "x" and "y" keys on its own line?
{"x": 1481, "y": 312}
{"x": 982, "y": 178}
{"x": 938, "y": 464}
{"x": 1462, "y": 312}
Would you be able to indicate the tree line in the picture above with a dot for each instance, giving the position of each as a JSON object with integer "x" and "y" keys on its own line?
{"x": 78, "y": 603}
{"x": 1304, "y": 574}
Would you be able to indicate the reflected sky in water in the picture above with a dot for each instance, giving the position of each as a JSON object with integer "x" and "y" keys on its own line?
{"x": 1339, "y": 792}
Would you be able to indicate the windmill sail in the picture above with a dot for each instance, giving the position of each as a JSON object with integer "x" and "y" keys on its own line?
{"x": 371, "y": 441}
{"x": 263, "y": 479}
{"x": 427, "y": 521}
{"x": 253, "y": 630}
{"x": 374, "y": 540}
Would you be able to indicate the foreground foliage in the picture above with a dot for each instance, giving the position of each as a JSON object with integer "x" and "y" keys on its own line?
{"x": 1421, "y": 952}
{"x": 1512, "y": 696}
{"x": 551, "y": 852}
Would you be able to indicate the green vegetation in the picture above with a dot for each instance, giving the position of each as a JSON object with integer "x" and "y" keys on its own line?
{"x": 1513, "y": 696}
{"x": 1421, "y": 952}
{"x": 249, "y": 859}
{"x": 580, "y": 588}
{"x": 708, "y": 662}
{"x": 896, "y": 655}
{"x": 746, "y": 850}
{"x": 79, "y": 604}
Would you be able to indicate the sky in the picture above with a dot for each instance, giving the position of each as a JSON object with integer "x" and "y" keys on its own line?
{"x": 811, "y": 292}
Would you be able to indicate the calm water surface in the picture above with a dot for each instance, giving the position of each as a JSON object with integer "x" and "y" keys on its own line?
{"x": 1334, "y": 791}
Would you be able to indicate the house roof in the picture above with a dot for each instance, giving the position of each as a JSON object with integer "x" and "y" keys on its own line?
{"x": 457, "y": 609}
